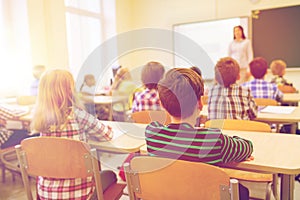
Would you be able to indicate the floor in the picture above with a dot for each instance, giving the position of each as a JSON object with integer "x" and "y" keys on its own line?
{"x": 13, "y": 190}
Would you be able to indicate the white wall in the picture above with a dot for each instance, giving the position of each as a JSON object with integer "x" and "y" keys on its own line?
{"x": 48, "y": 30}
{"x": 48, "y": 33}
{"x": 163, "y": 14}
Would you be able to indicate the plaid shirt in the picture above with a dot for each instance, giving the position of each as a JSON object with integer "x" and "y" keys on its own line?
{"x": 146, "y": 100}
{"x": 264, "y": 89}
{"x": 234, "y": 102}
{"x": 79, "y": 122}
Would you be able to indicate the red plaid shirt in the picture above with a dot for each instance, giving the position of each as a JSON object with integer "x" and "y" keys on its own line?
{"x": 146, "y": 100}
{"x": 78, "y": 125}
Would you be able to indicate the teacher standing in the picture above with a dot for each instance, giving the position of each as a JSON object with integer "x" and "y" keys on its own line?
{"x": 240, "y": 49}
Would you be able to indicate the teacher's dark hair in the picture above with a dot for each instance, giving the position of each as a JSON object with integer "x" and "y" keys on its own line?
{"x": 242, "y": 29}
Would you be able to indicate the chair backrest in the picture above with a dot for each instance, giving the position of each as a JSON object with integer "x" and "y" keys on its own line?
{"x": 235, "y": 124}
{"x": 265, "y": 102}
{"x": 204, "y": 99}
{"x": 162, "y": 178}
{"x": 287, "y": 89}
{"x": 148, "y": 116}
{"x": 57, "y": 158}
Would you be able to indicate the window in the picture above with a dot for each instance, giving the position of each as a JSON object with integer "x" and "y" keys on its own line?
{"x": 89, "y": 23}
{"x": 15, "y": 51}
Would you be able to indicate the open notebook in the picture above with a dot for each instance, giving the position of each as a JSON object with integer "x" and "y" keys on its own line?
{"x": 277, "y": 109}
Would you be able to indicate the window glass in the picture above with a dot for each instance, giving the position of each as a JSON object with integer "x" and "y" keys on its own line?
{"x": 84, "y": 35}
{"x": 89, "y": 5}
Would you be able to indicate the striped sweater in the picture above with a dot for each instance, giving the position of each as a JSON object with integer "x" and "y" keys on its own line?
{"x": 184, "y": 142}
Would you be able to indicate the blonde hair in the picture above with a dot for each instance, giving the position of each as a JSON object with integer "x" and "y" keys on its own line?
{"x": 227, "y": 71}
{"x": 278, "y": 67}
{"x": 56, "y": 96}
{"x": 122, "y": 74}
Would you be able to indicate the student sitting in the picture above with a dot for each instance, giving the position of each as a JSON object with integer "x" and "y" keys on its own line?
{"x": 123, "y": 85}
{"x": 148, "y": 99}
{"x": 278, "y": 70}
{"x": 227, "y": 99}
{"x": 58, "y": 113}
{"x": 259, "y": 87}
{"x": 89, "y": 85}
{"x": 180, "y": 93}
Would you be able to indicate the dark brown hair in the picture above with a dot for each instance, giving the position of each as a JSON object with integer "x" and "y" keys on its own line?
{"x": 179, "y": 91}
{"x": 242, "y": 29}
{"x": 258, "y": 67}
{"x": 227, "y": 71}
{"x": 152, "y": 72}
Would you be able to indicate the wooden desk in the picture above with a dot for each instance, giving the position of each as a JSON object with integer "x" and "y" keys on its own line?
{"x": 291, "y": 98}
{"x": 18, "y": 121}
{"x": 275, "y": 153}
{"x": 129, "y": 142}
{"x": 293, "y": 117}
{"x": 106, "y": 100}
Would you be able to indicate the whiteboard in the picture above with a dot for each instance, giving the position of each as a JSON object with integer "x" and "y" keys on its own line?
{"x": 212, "y": 37}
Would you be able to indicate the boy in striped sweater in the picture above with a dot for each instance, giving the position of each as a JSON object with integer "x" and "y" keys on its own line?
{"x": 180, "y": 93}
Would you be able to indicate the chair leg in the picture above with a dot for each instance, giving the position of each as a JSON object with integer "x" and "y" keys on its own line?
{"x": 3, "y": 174}
{"x": 269, "y": 191}
{"x": 274, "y": 186}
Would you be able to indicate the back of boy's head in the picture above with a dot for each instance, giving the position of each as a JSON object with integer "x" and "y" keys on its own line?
{"x": 197, "y": 70}
{"x": 179, "y": 92}
{"x": 227, "y": 71}
{"x": 278, "y": 67}
{"x": 258, "y": 67}
{"x": 152, "y": 72}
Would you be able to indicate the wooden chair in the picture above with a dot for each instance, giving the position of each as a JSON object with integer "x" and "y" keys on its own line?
{"x": 204, "y": 99}
{"x": 162, "y": 178}
{"x": 245, "y": 125}
{"x": 287, "y": 89}
{"x": 62, "y": 158}
{"x": 234, "y": 124}
{"x": 9, "y": 162}
{"x": 148, "y": 116}
{"x": 265, "y": 102}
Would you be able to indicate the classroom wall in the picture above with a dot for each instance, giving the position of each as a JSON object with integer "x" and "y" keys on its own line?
{"x": 48, "y": 33}
{"x": 163, "y": 14}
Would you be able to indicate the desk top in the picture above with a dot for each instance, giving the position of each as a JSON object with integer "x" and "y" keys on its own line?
{"x": 271, "y": 117}
{"x": 273, "y": 152}
{"x": 291, "y": 97}
{"x": 131, "y": 141}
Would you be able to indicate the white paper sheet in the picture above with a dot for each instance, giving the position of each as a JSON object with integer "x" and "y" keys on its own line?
{"x": 118, "y": 133}
{"x": 278, "y": 109}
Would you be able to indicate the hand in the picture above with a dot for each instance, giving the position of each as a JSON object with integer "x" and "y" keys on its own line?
{"x": 250, "y": 158}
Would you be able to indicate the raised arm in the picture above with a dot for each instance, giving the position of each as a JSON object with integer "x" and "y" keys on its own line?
{"x": 92, "y": 126}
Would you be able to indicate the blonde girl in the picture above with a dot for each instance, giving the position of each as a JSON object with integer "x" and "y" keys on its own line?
{"x": 59, "y": 114}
